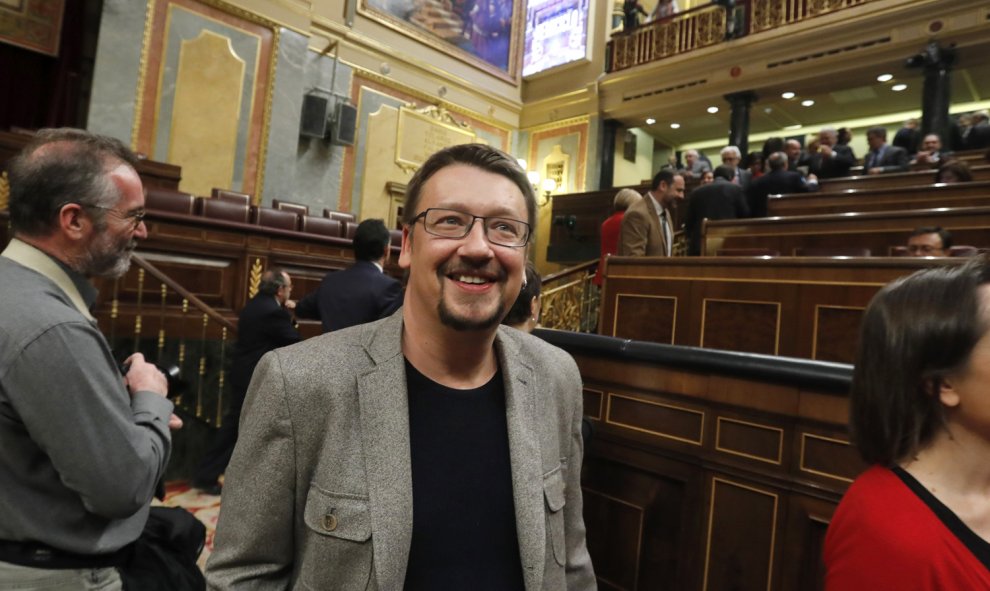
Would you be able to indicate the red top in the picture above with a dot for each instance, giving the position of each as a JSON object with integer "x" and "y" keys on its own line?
{"x": 884, "y": 536}
{"x": 610, "y": 242}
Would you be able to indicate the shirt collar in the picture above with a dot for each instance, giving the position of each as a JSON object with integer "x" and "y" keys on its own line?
{"x": 86, "y": 289}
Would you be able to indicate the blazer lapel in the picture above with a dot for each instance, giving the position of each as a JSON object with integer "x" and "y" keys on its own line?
{"x": 385, "y": 437}
{"x": 527, "y": 465}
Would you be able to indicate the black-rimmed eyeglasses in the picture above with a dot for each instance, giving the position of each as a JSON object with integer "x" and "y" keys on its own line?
{"x": 451, "y": 223}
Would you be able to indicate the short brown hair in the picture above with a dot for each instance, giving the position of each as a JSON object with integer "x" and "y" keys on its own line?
{"x": 480, "y": 156}
{"x": 915, "y": 332}
{"x": 62, "y": 166}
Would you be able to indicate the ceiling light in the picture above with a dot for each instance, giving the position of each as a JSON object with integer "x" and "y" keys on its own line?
{"x": 807, "y": 103}
{"x": 713, "y": 110}
{"x": 793, "y": 127}
{"x": 650, "y": 120}
{"x": 898, "y": 87}
{"x": 885, "y": 77}
{"x": 675, "y": 125}
{"x": 787, "y": 95}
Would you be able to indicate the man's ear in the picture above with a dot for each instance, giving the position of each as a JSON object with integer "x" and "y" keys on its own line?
{"x": 405, "y": 251}
{"x": 72, "y": 221}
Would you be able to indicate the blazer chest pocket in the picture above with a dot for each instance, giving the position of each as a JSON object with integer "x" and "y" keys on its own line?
{"x": 553, "y": 493}
{"x": 337, "y": 553}
{"x": 338, "y": 516}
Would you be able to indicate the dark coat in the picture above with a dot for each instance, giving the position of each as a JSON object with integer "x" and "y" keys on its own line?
{"x": 775, "y": 182}
{"x": 263, "y": 325}
{"x": 720, "y": 200}
{"x": 894, "y": 159}
{"x": 838, "y": 165}
{"x": 353, "y": 296}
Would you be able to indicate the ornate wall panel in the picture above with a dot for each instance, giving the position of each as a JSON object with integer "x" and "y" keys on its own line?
{"x": 205, "y": 91}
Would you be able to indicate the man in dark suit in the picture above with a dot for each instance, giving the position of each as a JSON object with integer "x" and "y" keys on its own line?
{"x": 883, "y": 158}
{"x": 832, "y": 160}
{"x": 931, "y": 153}
{"x": 363, "y": 292}
{"x": 778, "y": 181}
{"x": 263, "y": 325}
{"x": 720, "y": 200}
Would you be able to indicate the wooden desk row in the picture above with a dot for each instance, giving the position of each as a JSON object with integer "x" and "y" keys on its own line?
{"x": 706, "y": 473}
{"x": 796, "y": 307}
{"x": 878, "y": 231}
{"x": 881, "y": 199}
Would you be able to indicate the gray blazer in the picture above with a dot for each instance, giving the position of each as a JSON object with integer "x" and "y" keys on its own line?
{"x": 318, "y": 494}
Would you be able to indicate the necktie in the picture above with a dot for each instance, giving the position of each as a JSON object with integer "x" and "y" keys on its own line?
{"x": 666, "y": 232}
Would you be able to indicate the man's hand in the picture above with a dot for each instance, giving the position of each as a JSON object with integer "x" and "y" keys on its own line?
{"x": 174, "y": 422}
{"x": 875, "y": 170}
{"x": 142, "y": 375}
{"x": 290, "y": 304}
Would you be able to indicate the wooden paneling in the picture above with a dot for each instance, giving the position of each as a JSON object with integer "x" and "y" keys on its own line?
{"x": 877, "y": 231}
{"x": 701, "y": 479}
{"x": 796, "y": 307}
{"x": 884, "y": 198}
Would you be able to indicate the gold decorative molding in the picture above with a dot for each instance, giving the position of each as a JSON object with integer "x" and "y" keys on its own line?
{"x": 582, "y": 119}
{"x": 254, "y": 278}
{"x": 4, "y": 191}
{"x": 149, "y": 18}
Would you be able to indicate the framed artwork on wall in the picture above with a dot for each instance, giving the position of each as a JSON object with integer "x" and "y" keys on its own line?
{"x": 482, "y": 33}
{"x": 32, "y": 25}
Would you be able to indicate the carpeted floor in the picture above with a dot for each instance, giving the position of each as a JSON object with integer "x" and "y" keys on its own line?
{"x": 205, "y": 507}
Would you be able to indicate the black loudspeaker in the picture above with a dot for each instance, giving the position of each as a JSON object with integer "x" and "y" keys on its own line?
{"x": 315, "y": 110}
{"x": 344, "y": 125}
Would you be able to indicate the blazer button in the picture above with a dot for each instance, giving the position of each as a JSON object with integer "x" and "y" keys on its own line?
{"x": 329, "y": 522}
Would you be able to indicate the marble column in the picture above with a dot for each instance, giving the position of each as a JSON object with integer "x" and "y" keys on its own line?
{"x": 739, "y": 120}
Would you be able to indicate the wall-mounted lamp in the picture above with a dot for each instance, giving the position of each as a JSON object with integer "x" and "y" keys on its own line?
{"x": 548, "y": 186}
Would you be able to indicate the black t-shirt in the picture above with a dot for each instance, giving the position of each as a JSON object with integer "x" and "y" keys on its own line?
{"x": 464, "y": 523}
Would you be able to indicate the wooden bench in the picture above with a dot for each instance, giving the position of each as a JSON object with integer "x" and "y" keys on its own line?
{"x": 881, "y": 199}
{"x": 796, "y": 307}
{"x": 877, "y": 231}
{"x": 981, "y": 172}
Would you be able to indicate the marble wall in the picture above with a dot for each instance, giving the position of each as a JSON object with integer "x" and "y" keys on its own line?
{"x": 118, "y": 64}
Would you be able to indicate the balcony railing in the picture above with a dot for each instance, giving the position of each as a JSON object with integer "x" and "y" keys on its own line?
{"x": 710, "y": 25}
{"x": 569, "y": 299}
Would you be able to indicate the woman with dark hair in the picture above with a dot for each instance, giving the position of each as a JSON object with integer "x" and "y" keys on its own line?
{"x": 919, "y": 518}
{"x": 953, "y": 171}
{"x": 525, "y": 312}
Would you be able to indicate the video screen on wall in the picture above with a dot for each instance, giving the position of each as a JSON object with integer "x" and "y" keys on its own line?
{"x": 556, "y": 34}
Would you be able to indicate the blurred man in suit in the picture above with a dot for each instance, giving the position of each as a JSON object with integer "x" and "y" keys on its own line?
{"x": 732, "y": 158}
{"x": 931, "y": 153}
{"x": 263, "y": 325}
{"x": 779, "y": 181}
{"x": 883, "y": 158}
{"x": 830, "y": 160}
{"x": 433, "y": 449}
{"x": 647, "y": 227}
{"x": 720, "y": 200}
{"x": 360, "y": 293}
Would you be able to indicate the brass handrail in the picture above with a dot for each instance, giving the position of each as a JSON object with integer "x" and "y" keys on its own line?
{"x": 185, "y": 293}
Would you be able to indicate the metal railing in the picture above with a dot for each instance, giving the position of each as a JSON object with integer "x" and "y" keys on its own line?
{"x": 569, "y": 299}
{"x": 172, "y": 327}
{"x": 710, "y": 25}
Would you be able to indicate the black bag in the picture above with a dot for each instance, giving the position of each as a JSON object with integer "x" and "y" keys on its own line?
{"x": 165, "y": 555}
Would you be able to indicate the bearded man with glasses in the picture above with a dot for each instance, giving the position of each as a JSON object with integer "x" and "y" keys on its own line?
{"x": 432, "y": 449}
{"x": 82, "y": 448}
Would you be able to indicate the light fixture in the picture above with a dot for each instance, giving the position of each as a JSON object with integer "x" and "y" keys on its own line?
{"x": 787, "y": 95}
{"x": 675, "y": 125}
{"x": 793, "y": 127}
{"x": 807, "y": 103}
{"x": 522, "y": 163}
{"x": 534, "y": 178}
{"x": 650, "y": 120}
{"x": 885, "y": 77}
{"x": 898, "y": 87}
{"x": 549, "y": 186}
{"x": 713, "y": 110}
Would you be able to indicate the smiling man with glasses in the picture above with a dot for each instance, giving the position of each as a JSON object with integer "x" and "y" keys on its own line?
{"x": 432, "y": 449}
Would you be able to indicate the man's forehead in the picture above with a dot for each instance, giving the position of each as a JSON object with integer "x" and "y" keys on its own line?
{"x": 452, "y": 187}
